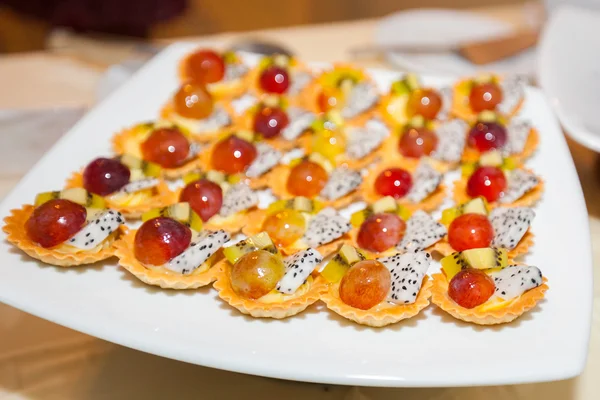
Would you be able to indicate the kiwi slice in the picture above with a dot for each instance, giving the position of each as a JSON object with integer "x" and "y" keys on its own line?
{"x": 485, "y": 258}
{"x": 341, "y": 262}
{"x": 491, "y": 158}
{"x": 148, "y": 168}
{"x": 76, "y": 195}
{"x": 181, "y": 212}
{"x": 260, "y": 241}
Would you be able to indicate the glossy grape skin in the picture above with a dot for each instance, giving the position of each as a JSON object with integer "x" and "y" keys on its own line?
{"x": 161, "y": 239}
{"x": 488, "y": 182}
{"x": 329, "y": 143}
{"x": 233, "y": 155}
{"x": 285, "y": 227}
{"x": 255, "y": 274}
{"x": 270, "y": 121}
{"x": 193, "y": 101}
{"x": 104, "y": 176}
{"x": 380, "y": 232}
{"x": 274, "y": 79}
{"x": 365, "y": 285}
{"x": 470, "y": 231}
{"x": 485, "y": 96}
{"x": 307, "y": 179}
{"x": 167, "y": 147}
{"x": 470, "y": 288}
{"x": 417, "y": 142}
{"x": 205, "y": 66}
{"x": 205, "y": 197}
{"x": 486, "y": 136}
{"x": 55, "y": 222}
{"x": 330, "y": 99}
{"x": 395, "y": 182}
{"x": 424, "y": 102}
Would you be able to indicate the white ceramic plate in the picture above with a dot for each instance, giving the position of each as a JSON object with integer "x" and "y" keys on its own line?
{"x": 431, "y": 349}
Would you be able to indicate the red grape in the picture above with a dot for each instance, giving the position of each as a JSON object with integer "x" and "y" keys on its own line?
{"x": 380, "y": 232}
{"x": 167, "y": 147}
{"x": 485, "y": 136}
{"x": 365, "y": 284}
{"x": 394, "y": 182}
{"x": 193, "y": 101}
{"x": 417, "y": 142}
{"x": 233, "y": 155}
{"x": 269, "y": 121}
{"x": 161, "y": 239}
{"x": 485, "y": 96}
{"x": 488, "y": 182}
{"x": 470, "y": 231}
{"x": 274, "y": 79}
{"x": 104, "y": 176}
{"x": 55, "y": 221}
{"x": 205, "y": 197}
{"x": 307, "y": 179}
{"x": 285, "y": 227}
{"x": 205, "y": 66}
{"x": 424, "y": 102}
{"x": 471, "y": 287}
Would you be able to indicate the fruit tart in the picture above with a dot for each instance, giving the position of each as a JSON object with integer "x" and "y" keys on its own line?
{"x": 417, "y": 187}
{"x": 346, "y": 89}
{"x": 504, "y": 94}
{"x": 171, "y": 250}
{"x": 257, "y": 280}
{"x": 409, "y": 98}
{"x": 316, "y": 178}
{"x": 443, "y": 142}
{"x": 471, "y": 225}
{"x": 224, "y": 74}
{"x": 386, "y": 226}
{"x": 517, "y": 138}
{"x": 65, "y": 228}
{"x": 377, "y": 292}
{"x": 242, "y": 152}
{"x": 162, "y": 143}
{"x": 483, "y": 288}
{"x": 128, "y": 184}
{"x": 280, "y": 75}
{"x": 222, "y": 201}
{"x": 299, "y": 223}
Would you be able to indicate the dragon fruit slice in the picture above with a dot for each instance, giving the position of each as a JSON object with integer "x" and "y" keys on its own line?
{"x": 297, "y": 268}
{"x": 362, "y": 97}
{"x": 362, "y": 141}
{"x": 238, "y": 197}
{"x": 510, "y": 225}
{"x": 325, "y": 227}
{"x": 517, "y": 132}
{"x": 341, "y": 182}
{"x": 421, "y": 232}
{"x": 519, "y": 182}
{"x": 425, "y": 181}
{"x": 235, "y": 71}
{"x": 300, "y": 121}
{"x": 299, "y": 81}
{"x": 139, "y": 185}
{"x": 266, "y": 158}
{"x": 408, "y": 271}
{"x": 200, "y": 249}
{"x": 513, "y": 91}
{"x": 91, "y": 235}
{"x": 451, "y": 140}
{"x": 446, "y": 93}
{"x": 195, "y": 149}
{"x": 243, "y": 103}
{"x": 215, "y": 121}
{"x": 515, "y": 280}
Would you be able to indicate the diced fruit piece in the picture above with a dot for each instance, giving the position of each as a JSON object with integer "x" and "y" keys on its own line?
{"x": 470, "y": 231}
{"x": 204, "y": 196}
{"x": 329, "y": 143}
{"x": 488, "y": 182}
{"x": 417, "y": 142}
{"x": 160, "y": 239}
{"x": 233, "y": 155}
{"x": 148, "y": 168}
{"x": 76, "y": 195}
{"x": 337, "y": 267}
{"x": 304, "y": 204}
{"x": 167, "y": 147}
{"x": 492, "y": 158}
{"x": 323, "y": 161}
{"x": 467, "y": 169}
{"x": 260, "y": 241}
{"x": 470, "y": 288}
{"x": 285, "y": 227}
{"x": 449, "y": 214}
{"x": 306, "y": 179}
{"x": 330, "y": 98}
{"x": 358, "y": 217}
{"x": 274, "y": 79}
{"x": 255, "y": 274}
{"x": 485, "y": 96}
{"x": 485, "y": 136}
{"x": 269, "y": 121}
{"x": 424, "y": 102}
{"x": 181, "y": 212}
{"x": 477, "y": 205}
{"x": 386, "y": 204}
{"x": 193, "y": 101}
{"x": 104, "y": 176}
{"x": 245, "y": 134}
{"x": 486, "y": 258}
{"x": 380, "y": 232}
{"x": 395, "y": 182}
{"x": 365, "y": 285}
{"x": 55, "y": 221}
{"x": 205, "y": 66}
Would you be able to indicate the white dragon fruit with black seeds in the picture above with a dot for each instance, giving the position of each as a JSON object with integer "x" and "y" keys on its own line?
{"x": 243, "y": 103}
{"x": 139, "y": 185}
{"x": 201, "y": 248}
{"x": 300, "y": 120}
{"x": 298, "y": 268}
{"x": 97, "y": 230}
{"x": 299, "y": 81}
{"x": 217, "y": 120}
{"x": 195, "y": 149}
{"x": 513, "y": 91}
{"x": 425, "y": 181}
{"x": 341, "y": 181}
{"x": 238, "y": 197}
{"x": 515, "y": 280}
{"x": 407, "y": 271}
{"x": 517, "y": 133}
{"x": 234, "y": 71}
{"x": 325, "y": 227}
{"x": 363, "y": 96}
{"x": 266, "y": 158}
{"x": 421, "y": 232}
{"x": 451, "y": 140}
{"x": 519, "y": 182}
{"x": 363, "y": 140}
{"x": 446, "y": 93}
{"x": 510, "y": 225}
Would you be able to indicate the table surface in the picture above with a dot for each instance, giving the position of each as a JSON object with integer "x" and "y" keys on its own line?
{"x": 41, "y": 360}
